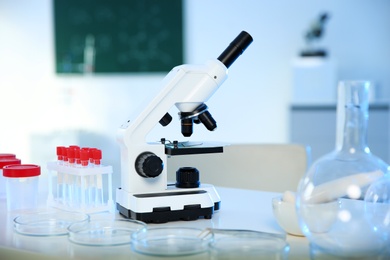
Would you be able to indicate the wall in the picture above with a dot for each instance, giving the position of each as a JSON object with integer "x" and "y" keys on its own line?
{"x": 251, "y": 106}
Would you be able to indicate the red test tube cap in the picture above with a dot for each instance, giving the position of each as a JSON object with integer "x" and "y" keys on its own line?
{"x": 97, "y": 156}
{"x": 84, "y": 157}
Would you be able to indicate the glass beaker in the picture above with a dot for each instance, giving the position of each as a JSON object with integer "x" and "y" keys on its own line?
{"x": 330, "y": 197}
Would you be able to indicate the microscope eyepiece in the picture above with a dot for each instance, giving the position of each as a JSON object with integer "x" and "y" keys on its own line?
{"x": 235, "y": 48}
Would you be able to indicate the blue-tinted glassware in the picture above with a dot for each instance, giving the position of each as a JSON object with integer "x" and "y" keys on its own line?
{"x": 330, "y": 198}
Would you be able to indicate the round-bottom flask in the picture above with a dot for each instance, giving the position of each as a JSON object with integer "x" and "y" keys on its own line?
{"x": 330, "y": 198}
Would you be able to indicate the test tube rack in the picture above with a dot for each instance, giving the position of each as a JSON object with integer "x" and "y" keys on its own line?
{"x": 80, "y": 189}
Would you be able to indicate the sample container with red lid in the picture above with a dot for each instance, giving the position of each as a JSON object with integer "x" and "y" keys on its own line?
{"x": 22, "y": 186}
{"x": 7, "y": 155}
{"x": 6, "y": 159}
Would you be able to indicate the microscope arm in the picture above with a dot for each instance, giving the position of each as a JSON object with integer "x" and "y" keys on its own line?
{"x": 186, "y": 86}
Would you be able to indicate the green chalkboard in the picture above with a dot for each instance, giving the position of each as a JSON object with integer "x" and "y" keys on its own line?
{"x": 118, "y": 36}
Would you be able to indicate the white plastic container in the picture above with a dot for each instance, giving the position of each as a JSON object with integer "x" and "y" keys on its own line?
{"x": 5, "y": 159}
{"x": 22, "y": 186}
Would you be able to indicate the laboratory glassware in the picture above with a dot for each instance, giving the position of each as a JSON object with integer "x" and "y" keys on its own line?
{"x": 330, "y": 197}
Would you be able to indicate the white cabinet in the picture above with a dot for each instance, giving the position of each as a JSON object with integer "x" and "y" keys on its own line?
{"x": 315, "y": 125}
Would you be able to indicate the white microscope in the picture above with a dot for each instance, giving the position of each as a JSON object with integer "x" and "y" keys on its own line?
{"x": 145, "y": 194}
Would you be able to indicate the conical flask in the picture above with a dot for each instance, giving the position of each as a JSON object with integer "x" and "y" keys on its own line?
{"x": 330, "y": 197}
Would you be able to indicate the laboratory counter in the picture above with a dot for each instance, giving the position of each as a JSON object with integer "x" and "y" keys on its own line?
{"x": 240, "y": 209}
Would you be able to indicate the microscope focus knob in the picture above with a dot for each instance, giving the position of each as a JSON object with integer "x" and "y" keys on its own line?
{"x": 187, "y": 177}
{"x": 148, "y": 165}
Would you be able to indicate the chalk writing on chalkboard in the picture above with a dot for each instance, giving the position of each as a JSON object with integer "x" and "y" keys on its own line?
{"x": 118, "y": 36}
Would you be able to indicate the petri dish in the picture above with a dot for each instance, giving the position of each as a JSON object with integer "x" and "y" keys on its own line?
{"x": 249, "y": 245}
{"x": 171, "y": 241}
{"x": 102, "y": 232}
{"x": 47, "y": 223}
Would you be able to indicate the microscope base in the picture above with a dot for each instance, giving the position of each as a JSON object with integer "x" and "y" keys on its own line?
{"x": 172, "y": 204}
{"x": 167, "y": 216}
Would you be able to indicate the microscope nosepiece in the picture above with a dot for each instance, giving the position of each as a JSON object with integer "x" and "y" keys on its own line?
{"x": 200, "y": 114}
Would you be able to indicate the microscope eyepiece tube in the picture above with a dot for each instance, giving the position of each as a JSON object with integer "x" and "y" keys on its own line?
{"x": 235, "y": 48}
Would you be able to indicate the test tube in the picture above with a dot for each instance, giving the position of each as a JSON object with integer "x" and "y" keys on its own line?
{"x": 92, "y": 178}
{"x": 78, "y": 177}
{"x": 84, "y": 160}
{"x": 75, "y": 152}
{"x": 71, "y": 179}
{"x": 65, "y": 186}
{"x": 97, "y": 156}
{"x": 60, "y": 181}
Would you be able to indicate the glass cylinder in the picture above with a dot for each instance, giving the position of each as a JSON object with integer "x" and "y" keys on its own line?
{"x": 330, "y": 197}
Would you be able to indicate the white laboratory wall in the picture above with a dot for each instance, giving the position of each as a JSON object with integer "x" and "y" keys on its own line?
{"x": 251, "y": 106}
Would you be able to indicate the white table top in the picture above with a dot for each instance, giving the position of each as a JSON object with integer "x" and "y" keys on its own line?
{"x": 240, "y": 209}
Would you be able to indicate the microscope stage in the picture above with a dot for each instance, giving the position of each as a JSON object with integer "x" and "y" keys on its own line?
{"x": 185, "y": 148}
